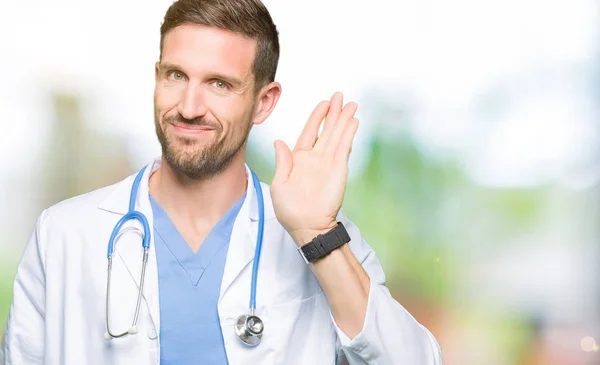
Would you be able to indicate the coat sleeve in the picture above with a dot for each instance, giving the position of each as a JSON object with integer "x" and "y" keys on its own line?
{"x": 24, "y": 334}
{"x": 390, "y": 335}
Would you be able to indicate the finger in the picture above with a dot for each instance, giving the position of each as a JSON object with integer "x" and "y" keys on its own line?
{"x": 345, "y": 145}
{"x": 309, "y": 134}
{"x": 283, "y": 162}
{"x": 338, "y": 129}
{"x": 337, "y": 100}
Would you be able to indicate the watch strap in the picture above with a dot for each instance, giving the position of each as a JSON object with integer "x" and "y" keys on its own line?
{"x": 323, "y": 244}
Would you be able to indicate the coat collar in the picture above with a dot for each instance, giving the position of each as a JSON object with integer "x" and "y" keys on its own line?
{"x": 118, "y": 200}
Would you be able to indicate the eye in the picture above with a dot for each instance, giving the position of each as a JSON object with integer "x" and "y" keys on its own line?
{"x": 220, "y": 85}
{"x": 176, "y": 75}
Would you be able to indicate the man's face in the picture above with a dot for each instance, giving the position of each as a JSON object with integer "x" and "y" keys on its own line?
{"x": 204, "y": 101}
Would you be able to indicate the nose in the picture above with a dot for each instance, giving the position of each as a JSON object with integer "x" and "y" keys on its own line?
{"x": 193, "y": 102}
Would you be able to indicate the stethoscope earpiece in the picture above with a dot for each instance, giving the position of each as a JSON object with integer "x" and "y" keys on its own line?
{"x": 249, "y": 329}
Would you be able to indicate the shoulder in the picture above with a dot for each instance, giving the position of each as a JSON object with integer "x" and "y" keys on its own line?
{"x": 68, "y": 218}
{"x": 81, "y": 207}
{"x": 83, "y": 202}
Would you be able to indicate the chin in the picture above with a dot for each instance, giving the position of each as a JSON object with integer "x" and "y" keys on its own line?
{"x": 188, "y": 153}
{"x": 188, "y": 144}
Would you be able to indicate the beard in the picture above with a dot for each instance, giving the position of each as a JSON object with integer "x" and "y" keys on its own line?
{"x": 200, "y": 163}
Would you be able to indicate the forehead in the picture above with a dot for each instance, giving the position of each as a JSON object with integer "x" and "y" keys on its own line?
{"x": 200, "y": 49}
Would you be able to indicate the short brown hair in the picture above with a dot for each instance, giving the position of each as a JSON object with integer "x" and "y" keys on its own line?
{"x": 246, "y": 17}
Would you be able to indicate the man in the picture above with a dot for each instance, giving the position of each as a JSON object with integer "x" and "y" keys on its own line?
{"x": 214, "y": 81}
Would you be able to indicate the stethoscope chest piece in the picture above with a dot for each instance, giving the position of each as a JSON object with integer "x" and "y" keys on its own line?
{"x": 249, "y": 329}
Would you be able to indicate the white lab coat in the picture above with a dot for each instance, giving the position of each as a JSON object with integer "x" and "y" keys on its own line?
{"x": 58, "y": 310}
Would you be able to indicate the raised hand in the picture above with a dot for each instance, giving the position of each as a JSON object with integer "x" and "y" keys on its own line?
{"x": 309, "y": 183}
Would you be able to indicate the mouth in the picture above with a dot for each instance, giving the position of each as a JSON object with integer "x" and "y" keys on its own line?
{"x": 191, "y": 128}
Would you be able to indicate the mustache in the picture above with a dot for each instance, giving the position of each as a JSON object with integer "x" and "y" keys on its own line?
{"x": 203, "y": 122}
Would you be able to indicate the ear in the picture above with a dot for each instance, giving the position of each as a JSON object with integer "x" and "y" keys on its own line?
{"x": 267, "y": 99}
{"x": 156, "y": 70}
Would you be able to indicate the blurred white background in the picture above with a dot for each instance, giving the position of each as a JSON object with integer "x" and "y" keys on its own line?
{"x": 506, "y": 90}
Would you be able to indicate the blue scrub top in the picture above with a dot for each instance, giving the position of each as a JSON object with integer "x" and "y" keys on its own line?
{"x": 189, "y": 286}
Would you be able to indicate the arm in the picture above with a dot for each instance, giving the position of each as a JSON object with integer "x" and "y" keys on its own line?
{"x": 307, "y": 192}
{"x": 388, "y": 334}
{"x": 348, "y": 302}
{"x": 372, "y": 326}
{"x": 24, "y": 335}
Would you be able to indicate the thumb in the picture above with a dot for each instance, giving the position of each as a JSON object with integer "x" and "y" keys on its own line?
{"x": 283, "y": 162}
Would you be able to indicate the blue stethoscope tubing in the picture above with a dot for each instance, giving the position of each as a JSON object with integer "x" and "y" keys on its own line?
{"x": 133, "y": 214}
{"x": 259, "y": 240}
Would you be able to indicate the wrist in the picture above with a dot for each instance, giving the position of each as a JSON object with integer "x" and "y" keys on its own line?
{"x": 304, "y": 236}
{"x": 323, "y": 244}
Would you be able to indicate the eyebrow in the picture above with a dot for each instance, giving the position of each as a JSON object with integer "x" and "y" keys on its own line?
{"x": 234, "y": 81}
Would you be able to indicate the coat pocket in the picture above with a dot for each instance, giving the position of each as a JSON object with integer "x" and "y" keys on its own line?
{"x": 301, "y": 332}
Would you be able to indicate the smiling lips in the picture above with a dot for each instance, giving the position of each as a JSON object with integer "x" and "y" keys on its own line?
{"x": 191, "y": 128}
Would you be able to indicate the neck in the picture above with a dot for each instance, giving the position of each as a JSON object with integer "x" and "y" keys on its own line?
{"x": 199, "y": 201}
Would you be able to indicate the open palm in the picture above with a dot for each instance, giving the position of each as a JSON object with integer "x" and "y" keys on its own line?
{"x": 309, "y": 183}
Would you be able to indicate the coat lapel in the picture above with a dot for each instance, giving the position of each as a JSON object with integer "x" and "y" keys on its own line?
{"x": 128, "y": 245}
{"x": 242, "y": 244}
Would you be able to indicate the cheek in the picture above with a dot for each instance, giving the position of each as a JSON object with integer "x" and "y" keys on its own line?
{"x": 233, "y": 112}
{"x": 167, "y": 98}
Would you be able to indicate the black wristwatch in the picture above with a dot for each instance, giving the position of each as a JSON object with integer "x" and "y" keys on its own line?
{"x": 323, "y": 244}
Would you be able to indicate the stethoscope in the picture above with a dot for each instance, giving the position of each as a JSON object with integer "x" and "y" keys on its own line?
{"x": 248, "y": 327}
